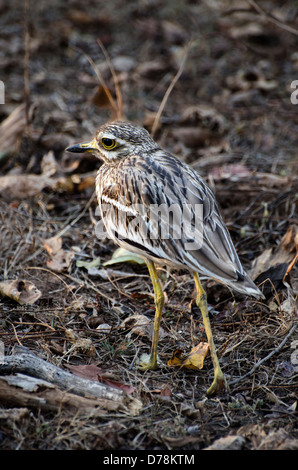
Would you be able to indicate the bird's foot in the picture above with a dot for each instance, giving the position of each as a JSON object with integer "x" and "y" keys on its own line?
{"x": 219, "y": 383}
{"x": 147, "y": 362}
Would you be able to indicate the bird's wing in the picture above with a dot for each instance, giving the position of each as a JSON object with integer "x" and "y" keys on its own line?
{"x": 191, "y": 235}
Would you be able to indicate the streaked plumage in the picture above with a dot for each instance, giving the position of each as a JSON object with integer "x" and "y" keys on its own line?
{"x": 137, "y": 175}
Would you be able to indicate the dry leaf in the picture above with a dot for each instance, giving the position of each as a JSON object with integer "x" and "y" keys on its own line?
{"x": 86, "y": 182}
{"x": 166, "y": 391}
{"x": 104, "y": 328}
{"x": 139, "y": 324}
{"x": 49, "y": 164}
{"x": 53, "y": 245}
{"x": 152, "y": 69}
{"x": 231, "y": 442}
{"x": 275, "y": 263}
{"x": 100, "y": 97}
{"x": 86, "y": 371}
{"x": 205, "y": 116}
{"x": 79, "y": 344}
{"x": 232, "y": 172}
{"x": 19, "y": 187}
{"x": 93, "y": 372}
{"x": 193, "y": 137}
{"x": 23, "y": 186}
{"x": 60, "y": 259}
{"x": 22, "y": 291}
{"x": 13, "y": 127}
{"x": 194, "y": 360}
{"x": 249, "y": 79}
{"x": 121, "y": 255}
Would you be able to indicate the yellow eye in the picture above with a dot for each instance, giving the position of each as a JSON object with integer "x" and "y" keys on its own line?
{"x": 108, "y": 144}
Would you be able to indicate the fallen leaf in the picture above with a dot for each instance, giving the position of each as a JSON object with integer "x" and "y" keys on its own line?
{"x": 194, "y": 360}
{"x": 272, "y": 279}
{"x": 13, "y": 127}
{"x": 232, "y": 172}
{"x": 22, "y": 291}
{"x": 274, "y": 264}
{"x": 49, "y": 165}
{"x": 193, "y": 137}
{"x": 138, "y": 324}
{"x": 141, "y": 325}
{"x": 86, "y": 371}
{"x": 88, "y": 264}
{"x": 23, "y": 186}
{"x": 53, "y": 245}
{"x": 60, "y": 259}
{"x": 152, "y": 69}
{"x": 173, "y": 32}
{"x": 231, "y": 442}
{"x": 166, "y": 391}
{"x": 180, "y": 442}
{"x": 113, "y": 383}
{"x": 205, "y": 116}
{"x": 86, "y": 182}
{"x": 93, "y": 372}
{"x": 121, "y": 255}
{"x": 108, "y": 274}
{"x": 250, "y": 78}
{"x": 100, "y": 97}
{"x": 104, "y": 328}
{"x": 79, "y": 344}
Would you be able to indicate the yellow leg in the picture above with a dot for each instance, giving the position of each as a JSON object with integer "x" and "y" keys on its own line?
{"x": 159, "y": 303}
{"x": 219, "y": 381}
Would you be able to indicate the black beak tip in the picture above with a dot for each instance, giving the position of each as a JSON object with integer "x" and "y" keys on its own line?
{"x": 76, "y": 149}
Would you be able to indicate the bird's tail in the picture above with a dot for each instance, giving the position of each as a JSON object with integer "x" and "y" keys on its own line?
{"x": 244, "y": 285}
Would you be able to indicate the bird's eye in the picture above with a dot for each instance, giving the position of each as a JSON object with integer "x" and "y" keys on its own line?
{"x": 107, "y": 143}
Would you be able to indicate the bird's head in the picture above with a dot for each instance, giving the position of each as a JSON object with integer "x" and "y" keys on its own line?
{"x": 116, "y": 140}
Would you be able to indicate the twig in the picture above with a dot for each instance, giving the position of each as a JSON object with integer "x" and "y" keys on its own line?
{"x": 74, "y": 221}
{"x": 89, "y": 286}
{"x": 269, "y": 17}
{"x": 26, "y": 63}
{"x": 261, "y": 361}
{"x": 119, "y": 108}
{"x": 15, "y": 333}
{"x": 169, "y": 90}
{"x": 101, "y": 80}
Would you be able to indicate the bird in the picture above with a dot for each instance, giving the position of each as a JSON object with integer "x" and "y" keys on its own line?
{"x": 160, "y": 208}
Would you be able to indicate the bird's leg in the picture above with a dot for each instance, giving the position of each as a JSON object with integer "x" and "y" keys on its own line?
{"x": 159, "y": 302}
{"x": 219, "y": 381}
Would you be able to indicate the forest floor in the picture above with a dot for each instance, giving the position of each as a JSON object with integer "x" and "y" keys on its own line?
{"x": 232, "y": 115}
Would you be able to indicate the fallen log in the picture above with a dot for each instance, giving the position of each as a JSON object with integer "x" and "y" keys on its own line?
{"x": 38, "y": 383}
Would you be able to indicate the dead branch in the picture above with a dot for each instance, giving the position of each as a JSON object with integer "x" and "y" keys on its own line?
{"x": 68, "y": 387}
{"x": 28, "y": 392}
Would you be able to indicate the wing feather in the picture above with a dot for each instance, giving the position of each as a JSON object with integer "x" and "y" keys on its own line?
{"x": 170, "y": 183}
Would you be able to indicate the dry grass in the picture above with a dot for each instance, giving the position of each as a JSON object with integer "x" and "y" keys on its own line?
{"x": 176, "y": 412}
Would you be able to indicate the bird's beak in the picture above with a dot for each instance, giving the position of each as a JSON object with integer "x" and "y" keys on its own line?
{"x": 84, "y": 147}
